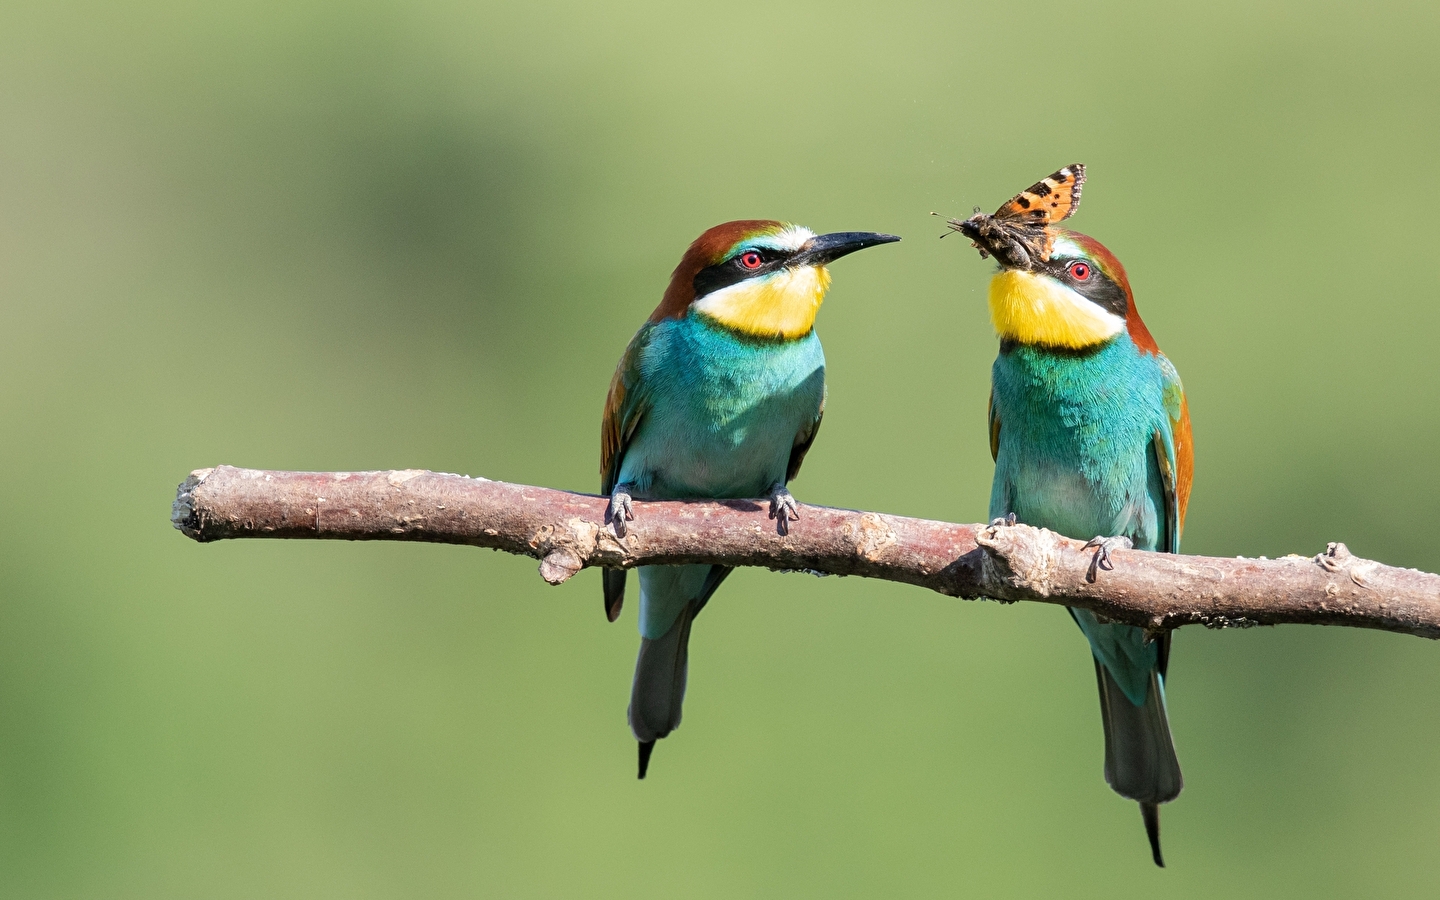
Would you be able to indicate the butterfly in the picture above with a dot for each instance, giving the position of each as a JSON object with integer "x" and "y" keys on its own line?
{"x": 1019, "y": 233}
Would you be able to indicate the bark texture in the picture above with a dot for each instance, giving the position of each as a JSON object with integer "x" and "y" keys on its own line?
{"x": 568, "y": 531}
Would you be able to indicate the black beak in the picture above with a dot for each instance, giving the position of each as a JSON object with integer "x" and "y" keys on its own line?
{"x": 827, "y": 248}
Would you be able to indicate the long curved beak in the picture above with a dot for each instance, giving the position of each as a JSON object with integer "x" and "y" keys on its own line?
{"x": 826, "y": 248}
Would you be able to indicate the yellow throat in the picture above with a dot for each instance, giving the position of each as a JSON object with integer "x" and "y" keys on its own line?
{"x": 1034, "y": 309}
{"x": 782, "y": 305}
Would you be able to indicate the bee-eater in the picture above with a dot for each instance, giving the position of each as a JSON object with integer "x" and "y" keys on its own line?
{"x": 718, "y": 395}
{"x": 1090, "y": 433}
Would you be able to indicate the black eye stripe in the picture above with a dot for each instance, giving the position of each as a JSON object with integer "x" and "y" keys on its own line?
{"x": 1096, "y": 286}
{"x": 733, "y": 270}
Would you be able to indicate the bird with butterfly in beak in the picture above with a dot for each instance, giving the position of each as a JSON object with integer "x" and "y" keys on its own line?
{"x": 1090, "y": 433}
{"x": 719, "y": 395}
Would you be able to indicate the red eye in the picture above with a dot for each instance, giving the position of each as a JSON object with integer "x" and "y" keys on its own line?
{"x": 751, "y": 260}
{"x": 1080, "y": 271}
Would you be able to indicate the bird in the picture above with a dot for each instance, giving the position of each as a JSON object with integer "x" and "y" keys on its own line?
{"x": 719, "y": 395}
{"x": 1090, "y": 434}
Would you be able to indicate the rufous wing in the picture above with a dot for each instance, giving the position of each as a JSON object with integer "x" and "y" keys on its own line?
{"x": 1184, "y": 463}
{"x": 625, "y": 407}
{"x": 1175, "y": 457}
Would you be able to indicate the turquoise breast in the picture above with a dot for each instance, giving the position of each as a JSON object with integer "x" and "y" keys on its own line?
{"x": 724, "y": 410}
{"x": 1076, "y": 432}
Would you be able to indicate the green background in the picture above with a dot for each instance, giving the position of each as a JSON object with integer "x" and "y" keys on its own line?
{"x": 419, "y": 234}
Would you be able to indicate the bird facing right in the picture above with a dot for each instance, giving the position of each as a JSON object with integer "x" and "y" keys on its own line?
{"x": 720, "y": 395}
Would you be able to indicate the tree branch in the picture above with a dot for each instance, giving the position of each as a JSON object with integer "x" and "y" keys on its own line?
{"x": 567, "y": 532}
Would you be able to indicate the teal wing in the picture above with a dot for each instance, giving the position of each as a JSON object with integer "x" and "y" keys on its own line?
{"x": 994, "y": 427}
{"x": 803, "y": 440}
{"x": 625, "y": 408}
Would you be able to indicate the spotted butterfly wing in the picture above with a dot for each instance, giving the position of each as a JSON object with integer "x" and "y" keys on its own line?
{"x": 1048, "y": 200}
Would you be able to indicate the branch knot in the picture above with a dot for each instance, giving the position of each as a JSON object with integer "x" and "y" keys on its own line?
{"x": 564, "y": 548}
{"x": 1020, "y": 557}
{"x": 872, "y": 537}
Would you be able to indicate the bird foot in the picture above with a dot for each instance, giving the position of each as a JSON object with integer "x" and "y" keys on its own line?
{"x": 621, "y": 509}
{"x": 1102, "y": 547}
{"x": 783, "y": 508}
{"x": 1003, "y": 521}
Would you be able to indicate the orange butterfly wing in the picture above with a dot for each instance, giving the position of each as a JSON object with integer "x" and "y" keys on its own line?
{"x": 1047, "y": 201}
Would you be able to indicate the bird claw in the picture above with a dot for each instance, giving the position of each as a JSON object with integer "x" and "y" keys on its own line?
{"x": 1102, "y": 547}
{"x": 621, "y": 509}
{"x": 783, "y": 508}
{"x": 1003, "y": 521}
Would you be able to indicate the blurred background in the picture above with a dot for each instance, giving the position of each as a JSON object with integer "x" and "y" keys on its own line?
{"x": 388, "y": 235}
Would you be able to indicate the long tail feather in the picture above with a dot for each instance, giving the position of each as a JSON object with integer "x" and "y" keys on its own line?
{"x": 658, "y": 693}
{"x": 1150, "y": 812}
{"x": 614, "y": 583}
{"x": 1140, "y": 761}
